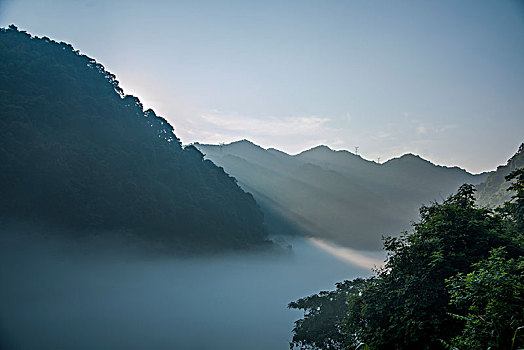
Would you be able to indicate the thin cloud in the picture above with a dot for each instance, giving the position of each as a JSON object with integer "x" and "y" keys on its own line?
{"x": 432, "y": 129}
{"x": 382, "y": 135}
{"x": 422, "y": 130}
{"x": 446, "y": 128}
{"x": 292, "y": 134}
{"x": 234, "y": 123}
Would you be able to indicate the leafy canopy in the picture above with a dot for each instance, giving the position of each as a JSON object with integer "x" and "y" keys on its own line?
{"x": 455, "y": 280}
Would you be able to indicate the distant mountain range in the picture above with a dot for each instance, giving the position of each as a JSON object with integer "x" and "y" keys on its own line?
{"x": 337, "y": 195}
{"x": 493, "y": 191}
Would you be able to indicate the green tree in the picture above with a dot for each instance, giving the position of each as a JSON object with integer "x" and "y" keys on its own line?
{"x": 492, "y": 296}
{"x": 515, "y": 207}
{"x": 406, "y": 305}
{"x": 324, "y": 315}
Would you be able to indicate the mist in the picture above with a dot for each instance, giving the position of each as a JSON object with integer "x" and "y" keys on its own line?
{"x": 84, "y": 295}
{"x": 336, "y": 195}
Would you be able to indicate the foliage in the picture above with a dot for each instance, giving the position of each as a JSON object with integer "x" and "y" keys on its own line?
{"x": 515, "y": 207}
{"x": 493, "y": 192}
{"x": 324, "y": 313}
{"x": 407, "y": 305}
{"x": 492, "y": 296}
{"x": 76, "y": 152}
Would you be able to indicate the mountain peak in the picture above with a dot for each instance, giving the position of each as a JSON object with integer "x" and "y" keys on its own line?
{"x": 414, "y": 160}
{"x": 276, "y": 151}
{"x": 408, "y": 157}
{"x": 244, "y": 142}
{"x": 321, "y": 148}
{"x": 323, "y": 151}
{"x": 411, "y": 156}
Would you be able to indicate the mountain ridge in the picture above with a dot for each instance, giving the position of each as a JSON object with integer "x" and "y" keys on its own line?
{"x": 76, "y": 152}
{"x": 492, "y": 192}
{"x": 353, "y": 201}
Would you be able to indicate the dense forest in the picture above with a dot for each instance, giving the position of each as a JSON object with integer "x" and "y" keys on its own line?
{"x": 77, "y": 153}
{"x": 492, "y": 192}
{"x": 456, "y": 281}
{"x": 337, "y": 195}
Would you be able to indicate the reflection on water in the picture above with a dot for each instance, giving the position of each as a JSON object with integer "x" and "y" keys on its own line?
{"x": 53, "y": 298}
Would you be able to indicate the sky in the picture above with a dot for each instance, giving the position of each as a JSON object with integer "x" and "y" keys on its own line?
{"x": 441, "y": 79}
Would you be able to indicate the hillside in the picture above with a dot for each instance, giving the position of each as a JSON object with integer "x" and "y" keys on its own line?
{"x": 493, "y": 191}
{"x": 336, "y": 194}
{"x": 79, "y": 154}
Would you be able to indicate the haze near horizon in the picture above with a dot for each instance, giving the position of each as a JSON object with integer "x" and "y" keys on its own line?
{"x": 441, "y": 80}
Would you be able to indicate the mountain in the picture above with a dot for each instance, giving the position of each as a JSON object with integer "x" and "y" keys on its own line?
{"x": 493, "y": 191}
{"x": 336, "y": 195}
{"x": 79, "y": 154}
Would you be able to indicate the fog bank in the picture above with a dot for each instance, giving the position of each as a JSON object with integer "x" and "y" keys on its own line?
{"x": 59, "y": 296}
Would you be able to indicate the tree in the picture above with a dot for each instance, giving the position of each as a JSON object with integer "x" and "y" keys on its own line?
{"x": 406, "y": 304}
{"x": 324, "y": 314}
{"x": 515, "y": 207}
{"x": 492, "y": 296}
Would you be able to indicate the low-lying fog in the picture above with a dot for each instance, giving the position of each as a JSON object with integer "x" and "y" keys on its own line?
{"x": 57, "y": 296}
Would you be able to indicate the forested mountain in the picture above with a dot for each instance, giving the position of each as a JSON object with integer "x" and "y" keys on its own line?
{"x": 78, "y": 153}
{"x": 493, "y": 191}
{"x": 336, "y": 194}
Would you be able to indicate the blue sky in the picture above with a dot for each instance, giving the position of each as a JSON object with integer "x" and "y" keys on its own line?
{"x": 442, "y": 79}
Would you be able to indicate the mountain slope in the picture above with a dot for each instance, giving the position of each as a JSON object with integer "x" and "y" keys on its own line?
{"x": 76, "y": 152}
{"x": 493, "y": 191}
{"x": 403, "y": 175}
{"x": 336, "y": 194}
